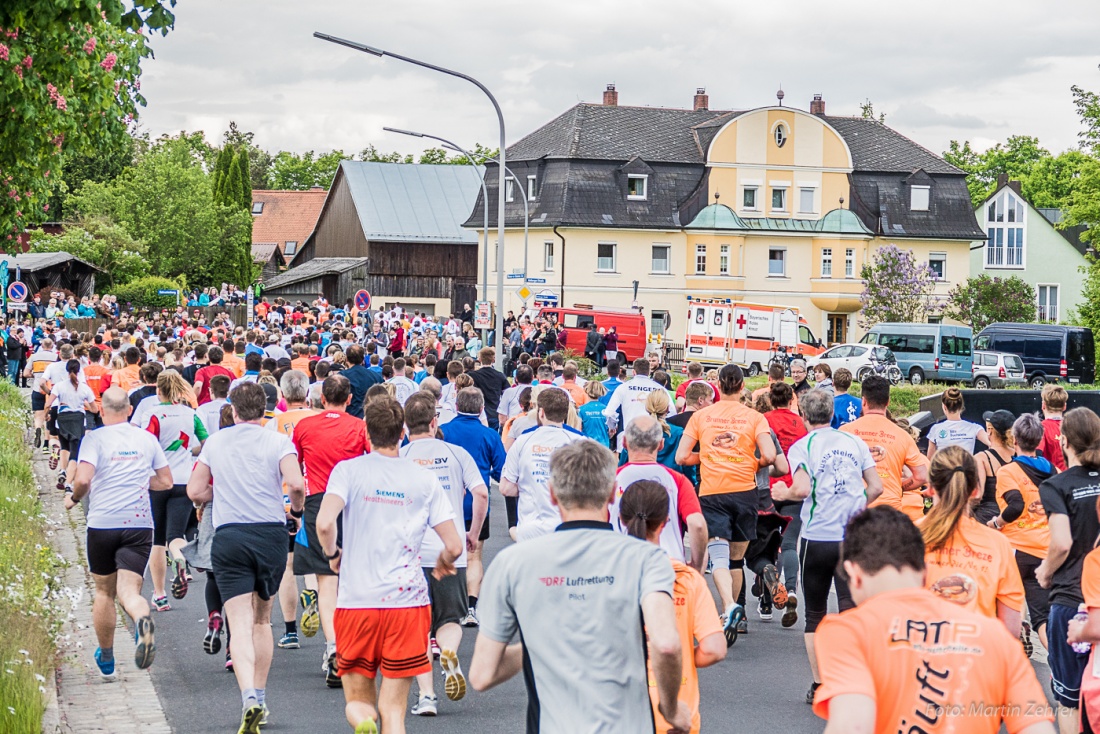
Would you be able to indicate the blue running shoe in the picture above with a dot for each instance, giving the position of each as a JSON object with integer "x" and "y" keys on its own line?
{"x": 730, "y": 622}
{"x": 106, "y": 670}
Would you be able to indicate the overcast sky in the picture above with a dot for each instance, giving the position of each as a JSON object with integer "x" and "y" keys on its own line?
{"x": 940, "y": 70}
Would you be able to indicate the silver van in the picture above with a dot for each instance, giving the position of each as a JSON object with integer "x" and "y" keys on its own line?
{"x": 997, "y": 370}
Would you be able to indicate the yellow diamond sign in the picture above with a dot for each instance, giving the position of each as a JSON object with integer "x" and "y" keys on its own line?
{"x": 523, "y": 292}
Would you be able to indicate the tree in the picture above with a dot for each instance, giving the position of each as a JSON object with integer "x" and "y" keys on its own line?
{"x": 1088, "y": 312}
{"x": 984, "y": 300}
{"x": 371, "y": 154}
{"x": 301, "y": 172}
{"x": 1017, "y": 159}
{"x": 1088, "y": 110}
{"x": 867, "y": 112}
{"x": 244, "y": 191}
{"x": 221, "y": 172}
{"x": 69, "y": 85}
{"x": 102, "y": 243}
{"x": 896, "y": 288}
{"x": 259, "y": 160}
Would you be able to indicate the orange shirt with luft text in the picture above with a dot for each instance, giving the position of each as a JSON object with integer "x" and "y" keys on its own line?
{"x": 893, "y": 449}
{"x": 1029, "y": 532}
{"x": 929, "y": 666}
{"x": 975, "y": 569}
{"x": 696, "y": 618}
{"x": 727, "y": 434}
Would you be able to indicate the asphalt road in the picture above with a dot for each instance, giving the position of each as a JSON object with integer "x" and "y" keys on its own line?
{"x": 760, "y": 686}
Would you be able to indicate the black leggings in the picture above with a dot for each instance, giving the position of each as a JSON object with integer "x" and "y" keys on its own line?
{"x": 214, "y": 601}
{"x": 172, "y": 513}
{"x": 820, "y": 570}
{"x": 511, "y": 506}
{"x": 70, "y": 433}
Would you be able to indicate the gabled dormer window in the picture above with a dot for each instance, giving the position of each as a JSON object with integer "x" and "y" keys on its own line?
{"x": 919, "y": 197}
{"x": 531, "y": 190}
{"x": 1004, "y": 219}
{"x": 637, "y": 185}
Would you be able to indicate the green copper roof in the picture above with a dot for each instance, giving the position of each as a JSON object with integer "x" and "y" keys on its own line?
{"x": 720, "y": 216}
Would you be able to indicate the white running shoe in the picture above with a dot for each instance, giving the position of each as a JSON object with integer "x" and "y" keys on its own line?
{"x": 426, "y": 706}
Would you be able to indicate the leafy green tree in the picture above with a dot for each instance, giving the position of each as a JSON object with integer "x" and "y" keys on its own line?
{"x": 221, "y": 172}
{"x": 295, "y": 172}
{"x": 1017, "y": 158}
{"x": 983, "y": 300}
{"x": 867, "y": 112}
{"x": 102, "y": 243}
{"x": 105, "y": 164}
{"x": 1088, "y": 110}
{"x": 896, "y": 288}
{"x": 373, "y": 155}
{"x": 259, "y": 160}
{"x": 244, "y": 190}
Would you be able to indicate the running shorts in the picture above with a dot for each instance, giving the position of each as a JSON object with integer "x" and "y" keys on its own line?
{"x": 311, "y": 558}
{"x": 448, "y": 597}
{"x": 112, "y": 549}
{"x": 730, "y": 516}
{"x": 38, "y": 401}
{"x": 51, "y": 421}
{"x": 172, "y": 511}
{"x": 70, "y": 431}
{"x": 393, "y": 640}
{"x": 1066, "y": 666}
{"x": 484, "y": 534}
{"x": 249, "y": 557}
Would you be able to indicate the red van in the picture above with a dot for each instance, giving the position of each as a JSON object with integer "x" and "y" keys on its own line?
{"x": 630, "y": 326}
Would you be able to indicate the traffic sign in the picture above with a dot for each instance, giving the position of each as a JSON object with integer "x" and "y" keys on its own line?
{"x": 523, "y": 292}
{"x": 168, "y": 292}
{"x": 362, "y": 300}
{"x": 513, "y": 276}
{"x": 17, "y": 291}
{"x": 539, "y": 281}
{"x": 546, "y": 298}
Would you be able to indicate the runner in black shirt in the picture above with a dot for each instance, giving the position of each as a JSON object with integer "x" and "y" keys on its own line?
{"x": 492, "y": 384}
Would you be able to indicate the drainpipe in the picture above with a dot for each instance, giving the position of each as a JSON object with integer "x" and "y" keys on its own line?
{"x": 561, "y": 295}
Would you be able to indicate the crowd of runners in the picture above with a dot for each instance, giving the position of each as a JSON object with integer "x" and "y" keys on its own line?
{"x": 345, "y": 475}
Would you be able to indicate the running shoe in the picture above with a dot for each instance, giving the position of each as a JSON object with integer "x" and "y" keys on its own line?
{"x": 790, "y": 612}
{"x": 810, "y": 693}
{"x": 289, "y": 641}
{"x": 779, "y": 599}
{"x": 730, "y": 621}
{"x": 228, "y": 663}
{"x": 710, "y": 566}
{"x": 61, "y": 479}
{"x": 160, "y": 604}
{"x": 367, "y": 726}
{"x": 332, "y": 680}
{"x": 769, "y": 581}
{"x": 765, "y": 610}
{"x": 425, "y": 706}
{"x": 179, "y": 580}
{"x": 106, "y": 670}
{"x": 38, "y": 438}
{"x": 433, "y": 646}
{"x": 311, "y": 620}
{"x": 55, "y": 456}
{"x": 45, "y": 449}
{"x": 743, "y": 626}
{"x": 212, "y": 641}
{"x": 250, "y": 719}
{"x": 267, "y": 711}
{"x": 454, "y": 682}
{"x": 471, "y": 618}
{"x": 145, "y": 647}
{"x": 1025, "y": 638}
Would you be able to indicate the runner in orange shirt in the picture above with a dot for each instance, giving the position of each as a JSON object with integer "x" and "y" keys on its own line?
{"x": 1089, "y": 631}
{"x": 893, "y": 450}
{"x": 905, "y": 660}
{"x": 231, "y": 360}
{"x": 643, "y": 511}
{"x": 1023, "y": 521}
{"x": 94, "y": 372}
{"x": 128, "y": 377}
{"x": 735, "y": 441}
{"x": 968, "y": 563}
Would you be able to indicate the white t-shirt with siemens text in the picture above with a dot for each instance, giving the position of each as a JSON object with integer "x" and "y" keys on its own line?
{"x": 457, "y": 473}
{"x": 72, "y": 399}
{"x": 248, "y": 484}
{"x": 954, "y": 433}
{"x": 124, "y": 457}
{"x": 528, "y": 465}
{"x": 835, "y": 461}
{"x": 389, "y": 505}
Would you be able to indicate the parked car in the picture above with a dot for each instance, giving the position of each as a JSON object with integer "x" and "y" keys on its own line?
{"x": 998, "y": 370}
{"x": 858, "y": 359}
{"x": 629, "y": 325}
{"x": 927, "y": 351}
{"x": 1049, "y": 352}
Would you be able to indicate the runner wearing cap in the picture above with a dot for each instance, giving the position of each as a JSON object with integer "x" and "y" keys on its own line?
{"x": 998, "y": 424}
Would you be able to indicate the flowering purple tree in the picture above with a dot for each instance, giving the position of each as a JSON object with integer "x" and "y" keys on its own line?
{"x": 896, "y": 288}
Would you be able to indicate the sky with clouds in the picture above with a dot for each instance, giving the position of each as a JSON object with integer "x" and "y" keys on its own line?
{"x": 940, "y": 70}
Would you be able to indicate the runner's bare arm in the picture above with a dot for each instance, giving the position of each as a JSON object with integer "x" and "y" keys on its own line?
{"x": 1061, "y": 541}
{"x": 82, "y": 482}
{"x": 1086, "y": 631}
{"x": 331, "y": 507}
{"x": 494, "y": 662}
{"x": 508, "y": 488}
{"x": 710, "y": 650}
{"x": 919, "y": 478}
{"x": 780, "y": 467}
{"x": 198, "y": 486}
{"x": 161, "y": 480}
{"x": 295, "y": 483}
{"x": 851, "y": 713}
{"x": 697, "y": 541}
{"x": 874, "y": 484}
{"x": 1011, "y": 618}
{"x": 478, "y": 511}
{"x": 685, "y": 456}
{"x": 799, "y": 488}
{"x": 452, "y": 549}
{"x": 659, "y": 616}
{"x": 766, "y": 446}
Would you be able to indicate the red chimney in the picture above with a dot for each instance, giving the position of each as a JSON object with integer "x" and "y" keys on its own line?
{"x": 817, "y": 106}
{"x": 702, "y": 101}
{"x": 610, "y": 96}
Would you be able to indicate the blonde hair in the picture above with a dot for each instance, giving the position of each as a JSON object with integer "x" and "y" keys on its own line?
{"x": 1055, "y": 397}
{"x": 172, "y": 387}
{"x": 658, "y": 405}
{"x": 594, "y": 389}
{"x": 954, "y": 477}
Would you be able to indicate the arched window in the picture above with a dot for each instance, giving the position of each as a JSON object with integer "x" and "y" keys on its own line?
{"x": 780, "y": 134}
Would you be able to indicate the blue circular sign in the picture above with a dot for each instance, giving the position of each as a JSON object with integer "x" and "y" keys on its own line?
{"x": 362, "y": 300}
{"x": 17, "y": 291}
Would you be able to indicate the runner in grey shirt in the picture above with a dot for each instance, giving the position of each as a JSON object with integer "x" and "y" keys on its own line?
{"x": 570, "y": 596}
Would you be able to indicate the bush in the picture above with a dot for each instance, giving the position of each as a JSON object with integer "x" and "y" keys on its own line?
{"x": 142, "y": 293}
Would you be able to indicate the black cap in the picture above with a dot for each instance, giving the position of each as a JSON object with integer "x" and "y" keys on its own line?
{"x": 1001, "y": 420}
{"x": 272, "y": 394}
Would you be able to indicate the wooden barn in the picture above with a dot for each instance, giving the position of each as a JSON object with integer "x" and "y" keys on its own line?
{"x": 406, "y": 221}
{"x": 270, "y": 260}
{"x": 44, "y": 270}
{"x": 335, "y": 278}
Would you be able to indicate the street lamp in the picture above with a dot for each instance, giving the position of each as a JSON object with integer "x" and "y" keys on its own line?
{"x": 500, "y": 189}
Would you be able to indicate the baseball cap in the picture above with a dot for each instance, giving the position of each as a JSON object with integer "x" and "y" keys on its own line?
{"x": 272, "y": 394}
{"x": 1001, "y": 420}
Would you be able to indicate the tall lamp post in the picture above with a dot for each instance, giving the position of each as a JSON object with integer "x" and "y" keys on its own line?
{"x": 500, "y": 187}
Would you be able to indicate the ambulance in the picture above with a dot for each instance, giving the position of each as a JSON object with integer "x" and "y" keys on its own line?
{"x": 722, "y": 331}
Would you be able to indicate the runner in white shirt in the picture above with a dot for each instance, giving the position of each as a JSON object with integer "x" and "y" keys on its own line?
{"x": 835, "y": 472}
{"x": 458, "y": 474}
{"x": 36, "y": 367}
{"x": 526, "y": 470}
{"x": 403, "y": 387}
{"x": 248, "y": 553}
{"x": 630, "y": 397}
{"x": 119, "y": 464}
{"x": 383, "y": 616}
{"x": 509, "y": 399}
{"x": 954, "y": 431}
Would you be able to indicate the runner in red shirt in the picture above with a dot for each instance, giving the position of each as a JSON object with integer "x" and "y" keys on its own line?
{"x": 202, "y": 377}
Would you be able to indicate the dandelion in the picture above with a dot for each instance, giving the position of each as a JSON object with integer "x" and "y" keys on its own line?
{"x": 40, "y": 678}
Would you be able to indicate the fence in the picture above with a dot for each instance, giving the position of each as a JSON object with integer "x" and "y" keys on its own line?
{"x": 237, "y": 314}
{"x": 674, "y": 356}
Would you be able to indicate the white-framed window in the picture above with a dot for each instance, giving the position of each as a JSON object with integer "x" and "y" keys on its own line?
{"x": 1048, "y": 302}
{"x": 779, "y": 134}
{"x": 779, "y": 199}
{"x": 257, "y": 207}
{"x": 826, "y": 262}
{"x": 777, "y": 262}
{"x": 509, "y": 190}
{"x": 919, "y": 197}
{"x": 748, "y": 198}
{"x": 290, "y": 247}
{"x": 724, "y": 260}
{"x": 937, "y": 262}
{"x": 849, "y": 263}
{"x": 636, "y": 186}
{"x": 496, "y": 254}
{"x": 605, "y": 257}
{"x": 530, "y": 188}
{"x": 658, "y": 322}
{"x": 806, "y": 200}
{"x": 661, "y": 259}
{"x": 1005, "y": 223}
{"x": 548, "y": 255}
{"x": 700, "y": 259}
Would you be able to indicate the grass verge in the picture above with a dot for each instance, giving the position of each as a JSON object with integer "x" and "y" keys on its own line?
{"x": 28, "y": 579}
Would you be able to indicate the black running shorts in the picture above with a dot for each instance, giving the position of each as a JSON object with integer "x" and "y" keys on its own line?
{"x": 38, "y": 401}
{"x": 484, "y": 534}
{"x": 249, "y": 557}
{"x": 448, "y": 597}
{"x": 119, "y": 548}
{"x": 311, "y": 559}
{"x": 730, "y": 516}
